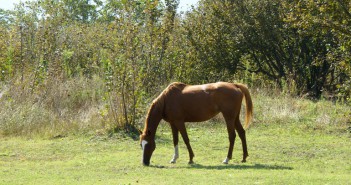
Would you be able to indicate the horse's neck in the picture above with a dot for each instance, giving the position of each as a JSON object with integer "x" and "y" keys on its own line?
{"x": 153, "y": 120}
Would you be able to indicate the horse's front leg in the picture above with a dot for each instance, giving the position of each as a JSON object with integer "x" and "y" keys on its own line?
{"x": 182, "y": 130}
{"x": 175, "y": 143}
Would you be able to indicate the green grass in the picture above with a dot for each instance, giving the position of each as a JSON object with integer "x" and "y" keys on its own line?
{"x": 279, "y": 154}
{"x": 291, "y": 141}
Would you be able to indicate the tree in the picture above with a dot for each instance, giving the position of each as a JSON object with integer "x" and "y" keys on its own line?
{"x": 331, "y": 18}
{"x": 82, "y": 10}
{"x": 262, "y": 38}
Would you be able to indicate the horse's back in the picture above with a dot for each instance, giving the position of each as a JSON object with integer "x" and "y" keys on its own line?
{"x": 211, "y": 93}
{"x": 201, "y": 102}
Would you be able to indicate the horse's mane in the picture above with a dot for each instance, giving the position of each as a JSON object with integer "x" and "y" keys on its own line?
{"x": 159, "y": 102}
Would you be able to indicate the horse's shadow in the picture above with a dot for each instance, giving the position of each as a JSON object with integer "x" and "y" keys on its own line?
{"x": 240, "y": 167}
{"x": 232, "y": 166}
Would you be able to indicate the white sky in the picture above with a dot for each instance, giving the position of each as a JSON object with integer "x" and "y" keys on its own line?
{"x": 183, "y": 4}
{"x": 7, "y": 4}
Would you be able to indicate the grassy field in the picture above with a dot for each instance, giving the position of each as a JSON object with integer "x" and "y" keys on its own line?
{"x": 291, "y": 141}
{"x": 279, "y": 154}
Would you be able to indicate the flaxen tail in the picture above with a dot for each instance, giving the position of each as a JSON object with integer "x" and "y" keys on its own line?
{"x": 248, "y": 101}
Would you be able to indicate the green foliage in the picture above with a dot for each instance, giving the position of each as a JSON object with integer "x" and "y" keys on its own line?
{"x": 331, "y": 20}
{"x": 271, "y": 41}
{"x": 134, "y": 48}
{"x": 123, "y": 42}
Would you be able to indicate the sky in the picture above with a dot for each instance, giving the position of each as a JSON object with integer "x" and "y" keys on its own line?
{"x": 7, "y": 4}
{"x": 183, "y": 4}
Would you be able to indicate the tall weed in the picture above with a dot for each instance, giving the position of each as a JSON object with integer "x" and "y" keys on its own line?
{"x": 54, "y": 109}
{"x": 81, "y": 105}
{"x": 286, "y": 110}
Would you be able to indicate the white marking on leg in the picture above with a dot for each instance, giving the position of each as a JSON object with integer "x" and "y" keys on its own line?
{"x": 176, "y": 154}
{"x": 226, "y": 160}
{"x": 143, "y": 143}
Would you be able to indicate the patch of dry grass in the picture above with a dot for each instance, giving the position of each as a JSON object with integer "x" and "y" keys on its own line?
{"x": 307, "y": 114}
{"x": 81, "y": 105}
{"x": 58, "y": 108}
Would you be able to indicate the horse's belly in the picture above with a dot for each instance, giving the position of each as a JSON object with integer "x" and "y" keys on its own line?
{"x": 200, "y": 113}
{"x": 199, "y": 118}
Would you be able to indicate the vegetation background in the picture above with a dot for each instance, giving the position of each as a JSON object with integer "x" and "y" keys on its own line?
{"x": 77, "y": 77}
{"x": 90, "y": 65}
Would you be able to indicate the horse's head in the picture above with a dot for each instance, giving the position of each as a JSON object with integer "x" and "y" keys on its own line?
{"x": 148, "y": 146}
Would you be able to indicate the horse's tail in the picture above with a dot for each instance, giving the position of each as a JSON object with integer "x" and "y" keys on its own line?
{"x": 248, "y": 101}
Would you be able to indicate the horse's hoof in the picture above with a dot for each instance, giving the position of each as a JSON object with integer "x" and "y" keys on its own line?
{"x": 243, "y": 161}
{"x": 226, "y": 161}
{"x": 172, "y": 161}
{"x": 191, "y": 162}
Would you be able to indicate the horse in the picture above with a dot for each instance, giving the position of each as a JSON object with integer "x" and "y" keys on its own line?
{"x": 180, "y": 103}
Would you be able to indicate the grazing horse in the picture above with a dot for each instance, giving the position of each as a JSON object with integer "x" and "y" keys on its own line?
{"x": 180, "y": 103}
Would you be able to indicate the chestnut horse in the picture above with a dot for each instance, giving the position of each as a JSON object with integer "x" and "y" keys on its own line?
{"x": 180, "y": 103}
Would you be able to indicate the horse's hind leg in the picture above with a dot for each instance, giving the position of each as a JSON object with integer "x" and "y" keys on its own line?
{"x": 175, "y": 143}
{"x": 242, "y": 136}
{"x": 231, "y": 134}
